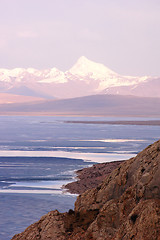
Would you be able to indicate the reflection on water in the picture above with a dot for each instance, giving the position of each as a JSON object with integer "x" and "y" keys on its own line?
{"x": 93, "y": 157}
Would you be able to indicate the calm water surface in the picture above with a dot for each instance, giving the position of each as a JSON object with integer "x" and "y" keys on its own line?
{"x": 39, "y": 154}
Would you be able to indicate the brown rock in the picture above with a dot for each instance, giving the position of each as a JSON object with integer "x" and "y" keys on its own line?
{"x": 50, "y": 226}
{"x": 142, "y": 223}
{"x": 91, "y": 177}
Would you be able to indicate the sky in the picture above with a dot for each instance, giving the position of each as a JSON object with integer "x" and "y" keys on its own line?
{"x": 123, "y": 35}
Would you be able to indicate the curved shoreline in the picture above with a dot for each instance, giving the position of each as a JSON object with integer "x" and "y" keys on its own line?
{"x": 91, "y": 177}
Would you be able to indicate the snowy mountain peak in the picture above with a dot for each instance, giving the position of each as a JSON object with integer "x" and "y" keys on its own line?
{"x": 84, "y": 60}
{"x": 84, "y": 67}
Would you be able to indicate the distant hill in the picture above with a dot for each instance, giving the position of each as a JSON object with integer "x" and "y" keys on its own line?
{"x": 15, "y": 98}
{"x": 105, "y": 105}
{"x": 28, "y": 91}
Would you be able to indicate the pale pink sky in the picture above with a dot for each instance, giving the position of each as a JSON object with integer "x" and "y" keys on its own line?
{"x": 123, "y": 35}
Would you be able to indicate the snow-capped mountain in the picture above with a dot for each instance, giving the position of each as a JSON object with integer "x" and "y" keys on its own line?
{"x": 149, "y": 88}
{"x": 23, "y": 75}
{"x": 87, "y": 70}
{"x": 84, "y": 78}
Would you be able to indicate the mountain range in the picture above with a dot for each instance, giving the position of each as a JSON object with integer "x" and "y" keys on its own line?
{"x": 84, "y": 78}
{"x": 88, "y": 88}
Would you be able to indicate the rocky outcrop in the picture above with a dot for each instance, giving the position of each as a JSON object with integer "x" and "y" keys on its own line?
{"x": 125, "y": 206}
{"x": 50, "y": 226}
{"x": 91, "y": 177}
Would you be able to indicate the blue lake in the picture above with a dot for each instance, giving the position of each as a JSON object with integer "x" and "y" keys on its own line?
{"x": 40, "y": 154}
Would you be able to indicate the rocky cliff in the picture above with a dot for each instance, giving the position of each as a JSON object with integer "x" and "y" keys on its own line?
{"x": 126, "y": 205}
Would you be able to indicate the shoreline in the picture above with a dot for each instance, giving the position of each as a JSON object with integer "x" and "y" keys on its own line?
{"x": 77, "y": 114}
{"x": 135, "y": 122}
{"x": 91, "y": 177}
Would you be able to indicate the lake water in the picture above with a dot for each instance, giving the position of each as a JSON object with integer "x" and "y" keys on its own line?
{"x": 39, "y": 154}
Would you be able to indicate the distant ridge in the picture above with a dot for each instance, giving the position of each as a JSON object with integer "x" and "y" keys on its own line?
{"x": 96, "y": 105}
{"x": 7, "y": 98}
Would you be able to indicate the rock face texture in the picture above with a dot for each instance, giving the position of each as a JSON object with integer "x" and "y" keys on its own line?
{"x": 91, "y": 177}
{"x": 126, "y": 205}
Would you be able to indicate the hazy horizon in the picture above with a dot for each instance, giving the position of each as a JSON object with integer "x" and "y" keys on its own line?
{"x": 123, "y": 35}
